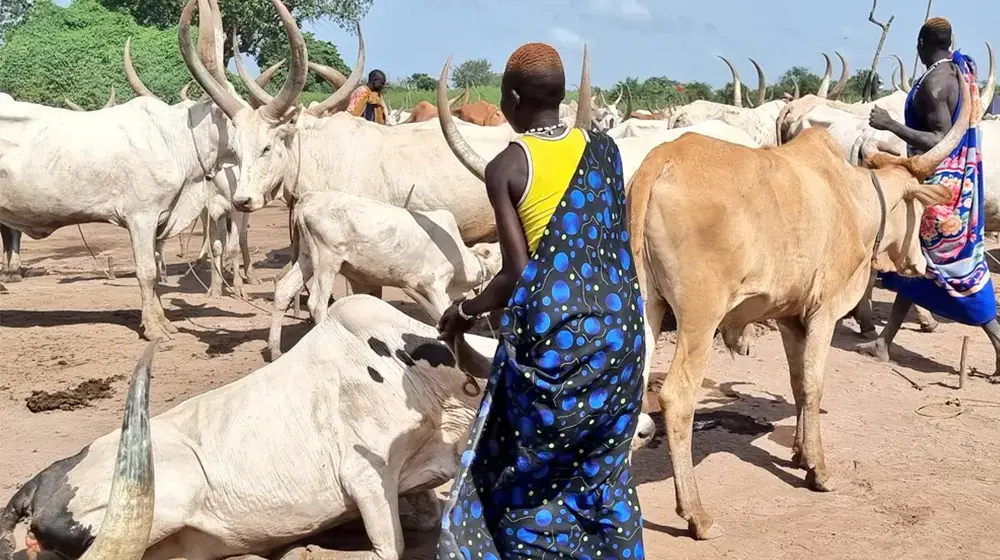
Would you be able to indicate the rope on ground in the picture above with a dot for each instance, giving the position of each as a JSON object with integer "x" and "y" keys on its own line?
{"x": 191, "y": 270}
{"x": 957, "y": 405}
{"x": 93, "y": 256}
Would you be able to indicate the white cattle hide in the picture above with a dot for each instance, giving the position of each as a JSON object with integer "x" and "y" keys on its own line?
{"x": 367, "y": 408}
{"x": 374, "y": 244}
{"x": 148, "y": 175}
{"x": 758, "y": 122}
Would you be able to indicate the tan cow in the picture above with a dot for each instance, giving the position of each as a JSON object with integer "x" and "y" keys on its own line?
{"x": 481, "y": 113}
{"x": 425, "y": 110}
{"x": 787, "y": 233}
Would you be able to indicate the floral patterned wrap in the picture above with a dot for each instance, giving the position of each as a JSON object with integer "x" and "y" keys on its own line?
{"x": 958, "y": 284}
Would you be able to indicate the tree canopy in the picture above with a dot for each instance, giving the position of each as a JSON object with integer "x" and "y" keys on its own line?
{"x": 76, "y": 52}
{"x": 254, "y": 21}
{"x": 475, "y": 72}
{"x": 12, "y": 13}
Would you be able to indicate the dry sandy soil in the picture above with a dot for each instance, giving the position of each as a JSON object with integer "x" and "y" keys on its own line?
{"x": 908, "y": 485}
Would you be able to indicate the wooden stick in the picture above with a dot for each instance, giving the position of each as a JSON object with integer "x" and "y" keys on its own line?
{"x": 963, "y": 372}
{"x": 111, "y": 268}
{"x": 912, "y": 383}
{"x": 869, "y": 94}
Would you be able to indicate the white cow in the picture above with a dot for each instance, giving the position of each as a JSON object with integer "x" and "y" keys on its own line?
{"x": 367, "y": 408}
{"x": 374, "y": 244}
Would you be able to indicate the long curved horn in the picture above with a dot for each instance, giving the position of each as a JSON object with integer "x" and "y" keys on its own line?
{"x": 904, "y": 84}
{"x": 619, "y": 99}
{"x": 74, "y": 106}
{"x": 185, "y": 91}
{"x": 453, "y": 100}
{"x": 227, "y": 101}
{"x": 798, "y": 93}
{"x": 838, "y": 89}
{"x": 111, "y": 98}
{"x": 128, "y": 517}
{"x": 986, "y": 98}
{"x": 895, "y": 84}
{"x": 761, "y": 84}
{"x": 138, "y": 87}
{"x": 584, "y": 110}
{"x": 462, "y": 150}
{"x": 259, "y": 96}
{"x": 206, "y": 40}
{"x": 824, "y": 86}
{"x": 924, "y": 164}
{"x": 737, "y": 84}
{"x": 218, "y": 43}
{"x": 329, "y": 74}
{"x": 344, "y": 92}
{"x": 298, "y": 70}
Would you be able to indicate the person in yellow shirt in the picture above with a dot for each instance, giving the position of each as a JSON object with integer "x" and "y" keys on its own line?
{"x": 546, "y": 471}
{"x": 367, "y": 102}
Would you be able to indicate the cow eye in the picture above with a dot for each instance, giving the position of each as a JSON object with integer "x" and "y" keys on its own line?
{"x": 267, "y": 150}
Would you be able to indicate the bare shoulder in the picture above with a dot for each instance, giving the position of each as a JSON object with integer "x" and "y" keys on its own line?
{"x": 508, "y": 170}
{"x": 943, "y": 82}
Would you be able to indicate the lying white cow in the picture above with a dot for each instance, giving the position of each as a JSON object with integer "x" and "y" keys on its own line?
{"x": 367, "y": 408}
{"x": 375, "y": 244}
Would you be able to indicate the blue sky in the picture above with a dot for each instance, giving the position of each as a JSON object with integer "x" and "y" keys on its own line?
{"x": 653, "y": 37}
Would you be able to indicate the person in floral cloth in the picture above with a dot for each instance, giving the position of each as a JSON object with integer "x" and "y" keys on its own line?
{"x": 957, "y": 284}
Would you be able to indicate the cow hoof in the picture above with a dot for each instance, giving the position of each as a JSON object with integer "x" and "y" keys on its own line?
{"x": 929, "y": 327}
{"x": 994, "y": 379}
{"x": 215, "y": 292}
{"x": 155, "y": 332}
{"x": 876, "y": 349}
{"x": 253, "y": 280}
{"x": 799, "y": 462}
{"x": 819, "y": 482}
{"x": 11, "y": 278}
{"x": 712, "y": 531}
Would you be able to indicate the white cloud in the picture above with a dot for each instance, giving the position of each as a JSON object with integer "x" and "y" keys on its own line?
{"x": 625, "y": 9}
{"x": 566, "y": 37}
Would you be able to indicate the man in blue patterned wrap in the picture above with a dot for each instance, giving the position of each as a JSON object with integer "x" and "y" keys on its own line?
{"x": 546, "y": 473}
{"x": 958, "y": 284}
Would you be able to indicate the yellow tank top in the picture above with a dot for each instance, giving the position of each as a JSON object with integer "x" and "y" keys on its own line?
{"x": 551, "y": 164}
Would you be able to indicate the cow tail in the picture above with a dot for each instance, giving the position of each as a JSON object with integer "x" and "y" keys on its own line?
{"x": 18, "y": 509}
{"x": 640, "y": 192}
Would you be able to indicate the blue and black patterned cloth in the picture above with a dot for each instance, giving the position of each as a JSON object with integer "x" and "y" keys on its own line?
{"x": 546, "y": 473}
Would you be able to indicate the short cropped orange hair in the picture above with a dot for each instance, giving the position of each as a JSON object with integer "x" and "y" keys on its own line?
{"x": 936, "y": 32}
{"x": 535, "y": 71}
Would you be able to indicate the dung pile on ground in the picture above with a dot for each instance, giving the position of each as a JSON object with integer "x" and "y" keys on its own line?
{"x": 72, "y": 399}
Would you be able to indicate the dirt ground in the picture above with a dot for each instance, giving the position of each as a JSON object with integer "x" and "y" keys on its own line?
{"x": 908, "y": 485}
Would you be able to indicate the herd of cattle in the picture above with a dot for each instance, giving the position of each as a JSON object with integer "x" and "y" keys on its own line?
{"x": 369, "y": 407}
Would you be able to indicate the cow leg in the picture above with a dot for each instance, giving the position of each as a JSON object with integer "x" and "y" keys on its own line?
{"x": 993, "y": 332}
{"x": 696, "y": 324}
{"x": 863, "y": 311}
{"x": 812, "y": 346}
{"x": 376, "y": 494}
{"x": 11, "y": 267}
{"x": 232, "y": 254}
{"x": 142, "y": 233}
{"x": 879, "y": 348}
{"x": 426, "y": 514}
{"x": 928, "y": 323}
{"x": 161, "y": 261}
{"x": 324, "y": 275}
{"x": 243, "y": 225}
{"x": 217, "y": 234}
{"x": 286, "y": 289}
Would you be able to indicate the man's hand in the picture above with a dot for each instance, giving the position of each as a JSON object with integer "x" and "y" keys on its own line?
{"x": 452, "y": 323}
{"x": 880, "y": 119}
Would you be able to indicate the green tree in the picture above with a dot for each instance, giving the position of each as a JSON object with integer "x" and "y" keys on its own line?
{"x": 323, "y": 52}
{"x": 421, "y": 81}
{"x": 476, "y": 72}
{"x": 76, "y": 52}
{"x": 12, "y": 13}
{"x": 254, "y": 21}
{"x": 808, "y": 81}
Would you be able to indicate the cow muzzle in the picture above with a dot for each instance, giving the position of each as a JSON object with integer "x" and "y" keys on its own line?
{"x": 248, "y": 203}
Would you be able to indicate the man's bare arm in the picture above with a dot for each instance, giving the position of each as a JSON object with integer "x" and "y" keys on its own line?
{"x": 937, "y": 99}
